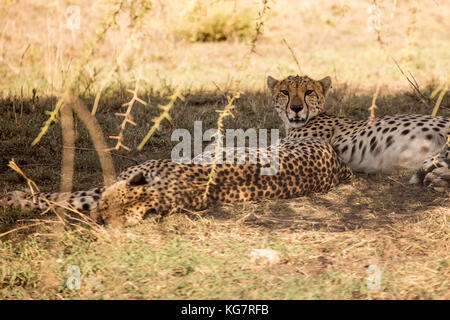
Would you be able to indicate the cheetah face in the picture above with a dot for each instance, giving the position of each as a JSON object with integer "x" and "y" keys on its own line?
{"x": 297, "y": 99}
{"x": 124, "y": 202}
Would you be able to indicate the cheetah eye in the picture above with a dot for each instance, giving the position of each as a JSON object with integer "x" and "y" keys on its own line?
{"x": 308, "y": 92}
{"x": 285, "y": 92}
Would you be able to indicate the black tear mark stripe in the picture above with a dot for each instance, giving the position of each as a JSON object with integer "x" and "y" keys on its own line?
{"x": 307, "y": 114}
{"x": 287, "y": 103}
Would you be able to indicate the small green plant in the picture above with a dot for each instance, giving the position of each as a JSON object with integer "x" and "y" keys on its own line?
{"x": 204, "y": 21}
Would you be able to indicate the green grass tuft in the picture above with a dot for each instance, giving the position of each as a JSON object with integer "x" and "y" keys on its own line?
{"x": 219, "y": 21}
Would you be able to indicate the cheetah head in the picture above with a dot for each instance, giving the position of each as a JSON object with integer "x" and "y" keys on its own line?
{"x": 125, "y": 202}
{"x": 297, "y": 99}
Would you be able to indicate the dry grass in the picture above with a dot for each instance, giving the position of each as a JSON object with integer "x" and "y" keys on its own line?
{"x": 325, "y": 241}
{"x": 329, "y": 37}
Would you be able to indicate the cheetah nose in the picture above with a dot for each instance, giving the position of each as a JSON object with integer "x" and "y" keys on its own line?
{"x": 296, "y": 108}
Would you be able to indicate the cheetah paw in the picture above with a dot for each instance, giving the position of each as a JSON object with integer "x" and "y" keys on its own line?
{"x": 438, "y": 179}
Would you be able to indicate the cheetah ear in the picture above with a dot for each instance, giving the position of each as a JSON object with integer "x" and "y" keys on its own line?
{"x": 137, "y": 180}
{"x": 326, "y": 84}
{"x": 271, "y": 83}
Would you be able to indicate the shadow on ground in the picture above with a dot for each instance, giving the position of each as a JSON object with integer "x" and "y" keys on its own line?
{"x": 366, "y": 202}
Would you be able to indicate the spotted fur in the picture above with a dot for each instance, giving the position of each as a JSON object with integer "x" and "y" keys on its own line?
{"x": 383, "y": 144}
{"x": 163, "y": 186}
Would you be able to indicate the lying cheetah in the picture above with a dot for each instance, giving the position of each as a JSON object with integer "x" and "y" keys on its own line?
{"x": 163, "y": 186}
{"x": 386, "y": 143}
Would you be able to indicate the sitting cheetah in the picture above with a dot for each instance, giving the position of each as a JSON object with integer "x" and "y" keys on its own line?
{"x": 386, "y": 143}
{"x": 163, "y": 186}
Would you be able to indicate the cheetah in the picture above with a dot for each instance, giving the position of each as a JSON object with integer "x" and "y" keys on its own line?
{"x": 165, "y": 186}
{"x": 383, "y": 144}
